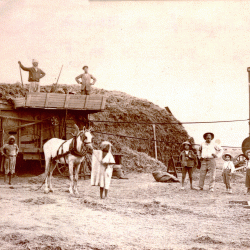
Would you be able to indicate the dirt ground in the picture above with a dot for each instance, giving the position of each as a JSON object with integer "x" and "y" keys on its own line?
{"x": 139, "y": 213}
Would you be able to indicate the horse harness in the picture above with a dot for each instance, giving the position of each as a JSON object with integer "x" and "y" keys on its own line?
{"x": 72, "y": 150}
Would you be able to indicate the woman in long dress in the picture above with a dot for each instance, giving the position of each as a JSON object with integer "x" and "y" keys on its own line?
{"x": 102, "y": 168}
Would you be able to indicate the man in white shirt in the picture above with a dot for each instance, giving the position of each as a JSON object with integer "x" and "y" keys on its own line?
{"x": 208, "y": 152}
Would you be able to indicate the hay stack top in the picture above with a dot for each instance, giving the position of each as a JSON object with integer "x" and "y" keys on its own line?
{"x": 61, "y": 101}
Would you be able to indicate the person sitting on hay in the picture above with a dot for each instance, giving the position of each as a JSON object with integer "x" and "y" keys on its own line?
{"x": 10, "y": 151}
{"x": 102, "y": 168}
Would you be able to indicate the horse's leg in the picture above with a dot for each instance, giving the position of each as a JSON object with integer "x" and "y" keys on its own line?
{"x": 47, "y": 168}
{"x": 71, "y": 168}
{"x": 52, "y": 168}
{"x": 77, "y": 168}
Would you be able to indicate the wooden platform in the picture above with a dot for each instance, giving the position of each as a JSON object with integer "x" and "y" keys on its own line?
{"x": 61, "y": 101}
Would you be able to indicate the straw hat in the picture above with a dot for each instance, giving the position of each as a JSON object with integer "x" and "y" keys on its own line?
{"x": 224, "y": 156}
{"x": 12, "y": 137}
{"x": 105, "y": 143}
{"x": 247, "y": 151}
{"x": 186, "y": 143}
{"x": 34, "y": 60}
{"x": 205, "y": 135}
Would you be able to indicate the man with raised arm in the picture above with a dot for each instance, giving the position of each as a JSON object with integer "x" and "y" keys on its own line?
{"x": 35, "y": 74}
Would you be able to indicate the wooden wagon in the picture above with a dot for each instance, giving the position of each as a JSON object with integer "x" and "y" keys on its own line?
{"x": 36, "y": 118}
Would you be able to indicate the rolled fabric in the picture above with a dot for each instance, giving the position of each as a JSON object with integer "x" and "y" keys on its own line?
{"x": 164, "y": 177}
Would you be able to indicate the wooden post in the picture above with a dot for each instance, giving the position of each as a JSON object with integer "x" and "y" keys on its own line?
{"x": 155, "y": 142}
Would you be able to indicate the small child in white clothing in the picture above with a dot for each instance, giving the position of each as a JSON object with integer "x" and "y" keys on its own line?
{"x": 227, "y": 170}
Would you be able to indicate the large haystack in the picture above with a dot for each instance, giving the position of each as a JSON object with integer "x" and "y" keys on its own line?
{"x": 134, "y": 140}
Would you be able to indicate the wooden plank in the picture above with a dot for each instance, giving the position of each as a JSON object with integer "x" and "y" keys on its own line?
{"x": 67, "y": 99}
{"x": 86, "y": 101}
{"x": 46, "y": 100}
{"x": 28, "y": 100}
{"x": 103, "y": 102}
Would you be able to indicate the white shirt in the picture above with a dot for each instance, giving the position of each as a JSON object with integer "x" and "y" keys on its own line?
{"x": 207, "y": 149}
{"x": 229, "y": 165}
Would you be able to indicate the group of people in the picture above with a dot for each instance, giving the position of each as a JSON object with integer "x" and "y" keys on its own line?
{"x": 207, "y": 153}
{"x": 102, "y": 164}
{"x": 102, "y": 161}
{"x": 35, "y": 74}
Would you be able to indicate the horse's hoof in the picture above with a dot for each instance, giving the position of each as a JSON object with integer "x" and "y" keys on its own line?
{"x": 46, "y": 191}
{"x": 51, "y": 190}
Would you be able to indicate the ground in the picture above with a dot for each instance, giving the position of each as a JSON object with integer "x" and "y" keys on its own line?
{"x": 139, "y": 213}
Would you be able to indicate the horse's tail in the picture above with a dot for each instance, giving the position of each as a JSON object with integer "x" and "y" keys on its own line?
{"x": 47, "y": 174}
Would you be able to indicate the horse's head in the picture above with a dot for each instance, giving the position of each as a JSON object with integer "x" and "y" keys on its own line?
{"x": 83, "y": 139}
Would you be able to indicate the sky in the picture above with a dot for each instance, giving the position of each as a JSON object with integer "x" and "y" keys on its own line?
{"x": 191, "y": 56}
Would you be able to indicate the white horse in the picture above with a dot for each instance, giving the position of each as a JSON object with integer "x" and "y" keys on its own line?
{"x": 71, "y": 152}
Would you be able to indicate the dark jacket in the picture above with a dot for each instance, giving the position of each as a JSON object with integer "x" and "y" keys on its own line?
{"x": 34, "y": 76}
{"x": 188, "y": 160}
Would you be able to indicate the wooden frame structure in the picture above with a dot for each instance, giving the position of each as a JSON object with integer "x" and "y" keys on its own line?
{"x": 36, "y": 118}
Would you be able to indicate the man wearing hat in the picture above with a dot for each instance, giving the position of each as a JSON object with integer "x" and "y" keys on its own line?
{"x": 9, "y": 151}
{"x": 208, "y": 152}
{"x": 85, "y": 81}
{"x": 35, "y": 74}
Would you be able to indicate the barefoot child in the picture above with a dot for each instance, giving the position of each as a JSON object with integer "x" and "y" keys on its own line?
{"x": 188, "y": 161}
{"x": 247, "y": 154}
{"x": 228, "y": 169}
{"x": 10, "y": 151}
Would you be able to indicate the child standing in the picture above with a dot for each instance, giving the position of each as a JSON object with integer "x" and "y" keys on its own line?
{"x": 227, "y": 170}
{"x": 188, "y": 161}
{"x": 102, "y": 168}
{"x": 10, "y": 151}
{"x": 247, "y": 154}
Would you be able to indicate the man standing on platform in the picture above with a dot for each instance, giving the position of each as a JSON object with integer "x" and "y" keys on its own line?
{"x": 86, "y": 81}
{"x": 35, "y": 74}
{"x": 208, "y": 152}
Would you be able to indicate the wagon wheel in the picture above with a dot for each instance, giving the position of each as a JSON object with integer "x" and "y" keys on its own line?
{"x": 240, "y": 161}
{"x": 63, "y": 169}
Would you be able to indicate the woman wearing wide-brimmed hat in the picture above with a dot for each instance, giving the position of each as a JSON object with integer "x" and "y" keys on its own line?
{"x": 102, "y": 168}
{"x": 188, "y": 161}
{"x": 227, "y": 170}
{"x": 208, "y": 152}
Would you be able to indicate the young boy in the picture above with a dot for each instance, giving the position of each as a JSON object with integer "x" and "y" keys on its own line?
{"x": 10, "y": 151}
{"x": 247, "y": 154}
{"x": 188, "y": 161}
{"x": 227, "y": 170}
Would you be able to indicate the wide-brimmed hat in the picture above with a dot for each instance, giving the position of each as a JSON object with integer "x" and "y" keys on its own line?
{"x": 224, "y": 156}
{"x": 247, "y": 152}
{"x": 34, "y": 60}
{"x": 105, "y": 143}
{"x": 186, "y": 143}
{"x": 205, "y": 135}
{"x": 12, "y": 137}
{"x": 85, "y": 67}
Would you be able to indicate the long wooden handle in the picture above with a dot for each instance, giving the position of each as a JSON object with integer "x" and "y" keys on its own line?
{"x": 21, "y": 75}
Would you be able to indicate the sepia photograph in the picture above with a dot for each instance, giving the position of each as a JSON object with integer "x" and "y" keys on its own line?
{"x": 124, "y": 125}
